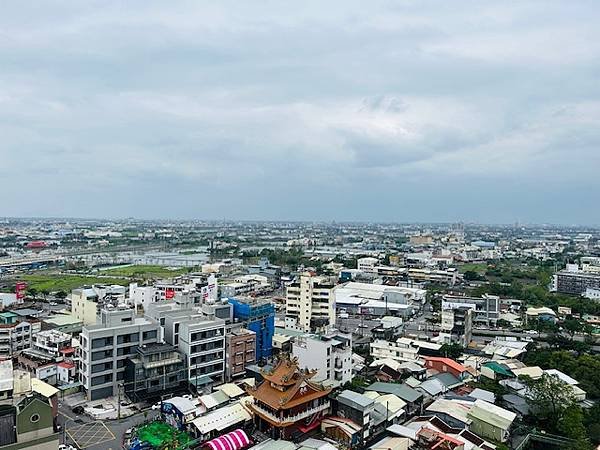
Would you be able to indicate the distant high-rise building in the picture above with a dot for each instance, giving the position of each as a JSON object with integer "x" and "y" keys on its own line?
{"x": 309, "y": 304}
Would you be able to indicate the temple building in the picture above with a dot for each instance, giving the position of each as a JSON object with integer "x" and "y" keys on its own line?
{"x": 287, "y": 403}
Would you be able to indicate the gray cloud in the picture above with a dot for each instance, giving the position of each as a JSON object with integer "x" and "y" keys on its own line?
{"x": 341, "y": 110}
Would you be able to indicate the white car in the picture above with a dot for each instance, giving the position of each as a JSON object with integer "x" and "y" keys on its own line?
{"x": 156, "y": 406}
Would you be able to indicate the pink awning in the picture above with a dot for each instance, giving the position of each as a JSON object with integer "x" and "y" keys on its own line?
{"x": 235, "y": 440}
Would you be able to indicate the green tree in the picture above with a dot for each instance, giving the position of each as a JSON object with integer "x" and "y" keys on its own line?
{"x": 32, "y": 292}
{"x": 571, "y": 426}
{"x": 452, "y": 350}
{"x": 549, "y": 397}
{"x": 61, "y": 295}
{"x": 572, "y": 326}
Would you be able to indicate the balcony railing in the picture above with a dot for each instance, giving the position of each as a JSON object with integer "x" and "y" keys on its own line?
{"x": 294, "y": 418}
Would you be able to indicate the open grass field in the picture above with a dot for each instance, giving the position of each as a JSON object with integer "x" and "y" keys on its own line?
{"x": 146, "y": 271}
{"x": 61, "y": 282}
{"x": 474, "y": 267}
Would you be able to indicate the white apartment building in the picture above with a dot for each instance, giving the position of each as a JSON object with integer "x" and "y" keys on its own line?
{"x": 202, "y": 341}
{"x": 106, "y": 347}
{"x": 142, "y": 296}
{"x": 330, "y": 355}
{"x": 50, "y": 342}
{"x": 367, "y": 264}
{"x": 84, "y": 305}
{"x": 16, "y": 337}
{"x": 309, "y": 304}
{"x": 402, "y": 350}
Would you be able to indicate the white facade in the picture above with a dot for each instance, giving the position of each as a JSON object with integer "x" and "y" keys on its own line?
{"x": 309, "y": 305}
{"x": 330, "y": 355}
{"x": 142, "y": 296}
{"x": 106, "y": 347}
{"x": 367, "y": 264}
{"x": 592, "y": 294}
{"x": 403, "y": 349}
{"x": 84, "y": 305}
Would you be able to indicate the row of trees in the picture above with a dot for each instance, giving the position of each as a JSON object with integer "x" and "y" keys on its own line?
{"x": 584, "y": 368}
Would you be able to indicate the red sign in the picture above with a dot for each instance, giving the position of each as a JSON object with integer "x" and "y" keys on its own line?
{"x": 169, "y": 293}
{"x": 20, "y": 289}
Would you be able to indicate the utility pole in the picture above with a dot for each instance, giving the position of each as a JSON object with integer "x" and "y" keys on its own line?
{"x": 119, "y": 387}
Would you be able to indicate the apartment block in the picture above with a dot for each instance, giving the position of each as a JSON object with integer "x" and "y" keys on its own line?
{"x": 257, "y": 315}
{"x": 16, "y": 335}
{"x": 240, "y": 345}
{"x": 457, "y": 322}
{"x": 309, "y": 305}
{"x": 202, "y": 341}
{"x": 106, "y": 347}
{"x": 486, "y": 309}
{"x": 84, "y": 305}
{"x": 576, "y": 282}
{"x": 155, "y": 369}
{"x": 330, "y": 355}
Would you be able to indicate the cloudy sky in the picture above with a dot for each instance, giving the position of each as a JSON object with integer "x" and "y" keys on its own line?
{"x": 314, "y": 110}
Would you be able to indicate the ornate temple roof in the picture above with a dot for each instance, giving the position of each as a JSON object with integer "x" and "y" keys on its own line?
{"x": 287, "y": 385}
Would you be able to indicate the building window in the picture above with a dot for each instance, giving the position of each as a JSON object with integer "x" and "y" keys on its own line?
{"x": 34, "y": 418}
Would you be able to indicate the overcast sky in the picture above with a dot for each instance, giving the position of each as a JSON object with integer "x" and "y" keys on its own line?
{"x": 312, "y": 110}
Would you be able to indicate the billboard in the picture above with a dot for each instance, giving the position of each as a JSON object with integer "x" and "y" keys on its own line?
{"x": 20, "y": 289}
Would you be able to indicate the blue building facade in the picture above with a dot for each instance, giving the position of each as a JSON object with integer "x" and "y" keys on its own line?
{"x": 258, "y": 316}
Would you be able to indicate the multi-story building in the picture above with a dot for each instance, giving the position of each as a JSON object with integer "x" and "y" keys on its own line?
{"x": 443, "y": 276}
{"x": 84, "y": 305}
{"x": 576, "y": 282}
{"x": 51, "y": 342}
{"x": 358, "y": 408}
{"x": 486, "y": 309}
{"x": 403, "y": 349}
{"x": 142, "y": 296}
{"x": 367, "y": 264}
{"x": 106, "y": 347}
{"x": 16, "y": 335}
{"x": 257, "y": 315}
{"x": 309, "y": 305}
{"x": 154, "y": 370}
{"x": 330, "y": 355}
{"x": 202, "y": 341}
{"x": 458, "y": 323}
{"x": 240, "y": 351}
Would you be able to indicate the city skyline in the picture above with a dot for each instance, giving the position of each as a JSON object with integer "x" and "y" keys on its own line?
{"x": 407, "y": 112}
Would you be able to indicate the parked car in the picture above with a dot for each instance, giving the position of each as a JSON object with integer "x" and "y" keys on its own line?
{"x": 156, "y": 406}
{"x": 77, "y": 409}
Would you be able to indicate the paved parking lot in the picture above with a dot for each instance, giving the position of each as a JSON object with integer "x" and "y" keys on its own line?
{"x": 89, "y": 434}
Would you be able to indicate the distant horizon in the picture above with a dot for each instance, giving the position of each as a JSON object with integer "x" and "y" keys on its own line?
{"x": 306, "y": 221}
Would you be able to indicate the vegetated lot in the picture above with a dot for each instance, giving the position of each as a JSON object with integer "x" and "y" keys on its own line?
{"x": 62, "y": 282}
{"x": 146, "y": 271}
{"x": 473, "y": 267}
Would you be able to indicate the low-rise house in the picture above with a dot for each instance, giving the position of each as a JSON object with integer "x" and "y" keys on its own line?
{"x": 490, "y": 421}
{"x": 447, "y": 365}
{"x": 409, "y": 395}
{"x": 358, "y": 408}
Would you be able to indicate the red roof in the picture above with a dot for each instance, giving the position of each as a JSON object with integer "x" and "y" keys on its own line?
{"x": 67, "y": 350}
{"x": 448, "y": 362}
{"x": 66, "y": 365}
